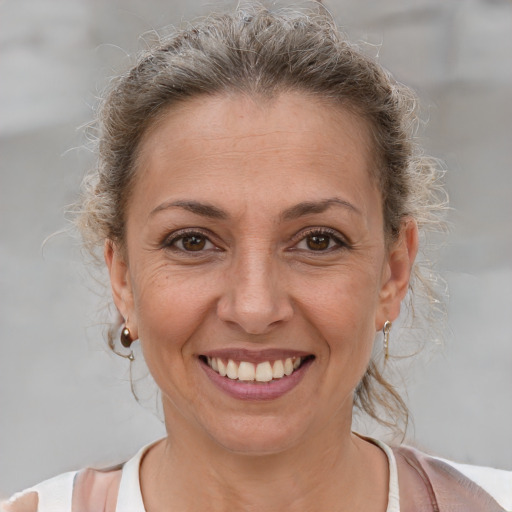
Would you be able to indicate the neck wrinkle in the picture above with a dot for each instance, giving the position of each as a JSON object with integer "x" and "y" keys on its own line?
{"x": 303, "y": 478}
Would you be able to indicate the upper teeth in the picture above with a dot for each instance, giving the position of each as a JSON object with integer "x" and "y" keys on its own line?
{"x": 262, "y": 372}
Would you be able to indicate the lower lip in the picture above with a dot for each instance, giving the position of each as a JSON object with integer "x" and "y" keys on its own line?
{"x": 243, "y": 390}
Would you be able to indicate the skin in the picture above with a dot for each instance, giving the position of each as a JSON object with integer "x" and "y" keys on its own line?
{"x": 259, "y": 282}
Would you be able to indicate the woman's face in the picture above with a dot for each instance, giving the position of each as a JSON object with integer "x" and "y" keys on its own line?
{"x": 255, "y": 243}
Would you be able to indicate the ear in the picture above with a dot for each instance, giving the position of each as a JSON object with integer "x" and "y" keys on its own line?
{"x": 397, "y": 273}
{"x": 120, "y": 283}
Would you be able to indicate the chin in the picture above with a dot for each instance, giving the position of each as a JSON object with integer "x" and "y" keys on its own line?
{"x": 256, "y": 436}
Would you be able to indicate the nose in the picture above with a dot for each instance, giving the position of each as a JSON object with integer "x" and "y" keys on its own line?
{"x": 255, "y": 297}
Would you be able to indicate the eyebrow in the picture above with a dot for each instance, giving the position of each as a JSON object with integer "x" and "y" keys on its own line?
{"x": 296, "y": 211}
{"x": 203, "y": 209}
{"x": 310, "y": 207}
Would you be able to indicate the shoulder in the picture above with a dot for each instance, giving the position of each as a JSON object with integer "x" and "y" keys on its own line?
{"x": 85, "y": 490}
{"x": 482, "y": 488}
{"x": 55, "y": 493}
{"x": 497, "y": 482}
{"x": 21, "y": 502}
{"x": 88, "y": 490}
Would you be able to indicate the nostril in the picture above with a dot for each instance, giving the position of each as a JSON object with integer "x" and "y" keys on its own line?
{"x": 255, "y": 300}
{"x": 254, "y": 321}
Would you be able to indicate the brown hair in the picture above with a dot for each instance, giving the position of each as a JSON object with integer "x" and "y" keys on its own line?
{"x": 262, "y": 53}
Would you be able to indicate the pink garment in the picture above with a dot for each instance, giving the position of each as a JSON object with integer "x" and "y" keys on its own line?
{"x": 96, "y": 491}
{"x": 430, "y": 485}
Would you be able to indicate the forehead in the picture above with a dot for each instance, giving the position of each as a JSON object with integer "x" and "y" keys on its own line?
{"x": 293, "y": 115}
{"x": 292, "y": 141}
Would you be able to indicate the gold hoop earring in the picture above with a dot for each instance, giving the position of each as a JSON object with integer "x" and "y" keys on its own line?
{"x": 386, "y": 330}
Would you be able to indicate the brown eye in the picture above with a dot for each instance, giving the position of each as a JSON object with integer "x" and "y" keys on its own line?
{"x": 193, "y": 242}
{"x": 318, "y": 242}
{"x": 188, "y": 242}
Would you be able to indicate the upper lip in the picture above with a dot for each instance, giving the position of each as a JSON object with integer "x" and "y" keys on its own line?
{"x": 254, "y": 356}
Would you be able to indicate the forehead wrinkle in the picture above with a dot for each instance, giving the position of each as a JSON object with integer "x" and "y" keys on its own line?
{"x": 265, "y": 133}
{"x": 289, "y": 154}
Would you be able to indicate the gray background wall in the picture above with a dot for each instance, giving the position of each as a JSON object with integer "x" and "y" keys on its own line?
{"x": 65, "y": 402}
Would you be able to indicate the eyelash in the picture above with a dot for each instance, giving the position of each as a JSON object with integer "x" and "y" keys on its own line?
{"x": 334, "y": 236}
{"x": 171, "y": 241}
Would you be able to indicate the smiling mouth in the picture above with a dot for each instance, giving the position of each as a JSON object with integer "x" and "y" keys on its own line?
{"x": 264, "y": 371}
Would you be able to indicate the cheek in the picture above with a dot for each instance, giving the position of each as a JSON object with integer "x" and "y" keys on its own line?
{"x": 343, "y": 312}
{"x": 345, "y": 301}
{"x": 169, "y": 308}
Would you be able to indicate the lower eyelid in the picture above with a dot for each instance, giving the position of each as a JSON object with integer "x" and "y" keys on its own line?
{"x": 338, "y": 244}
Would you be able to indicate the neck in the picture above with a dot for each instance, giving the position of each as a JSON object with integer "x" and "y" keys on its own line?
{"x": 335, "y": 471}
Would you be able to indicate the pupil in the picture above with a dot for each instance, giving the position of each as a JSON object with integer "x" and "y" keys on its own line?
{"x": 194, "y": 243}
{"x": 318, "y": 242}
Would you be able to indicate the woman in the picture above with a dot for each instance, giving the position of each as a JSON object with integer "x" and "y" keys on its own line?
{"x": 259, "y": 198}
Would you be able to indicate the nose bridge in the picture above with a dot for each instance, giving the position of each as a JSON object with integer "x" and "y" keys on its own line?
{"x": 255, "y": 297}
